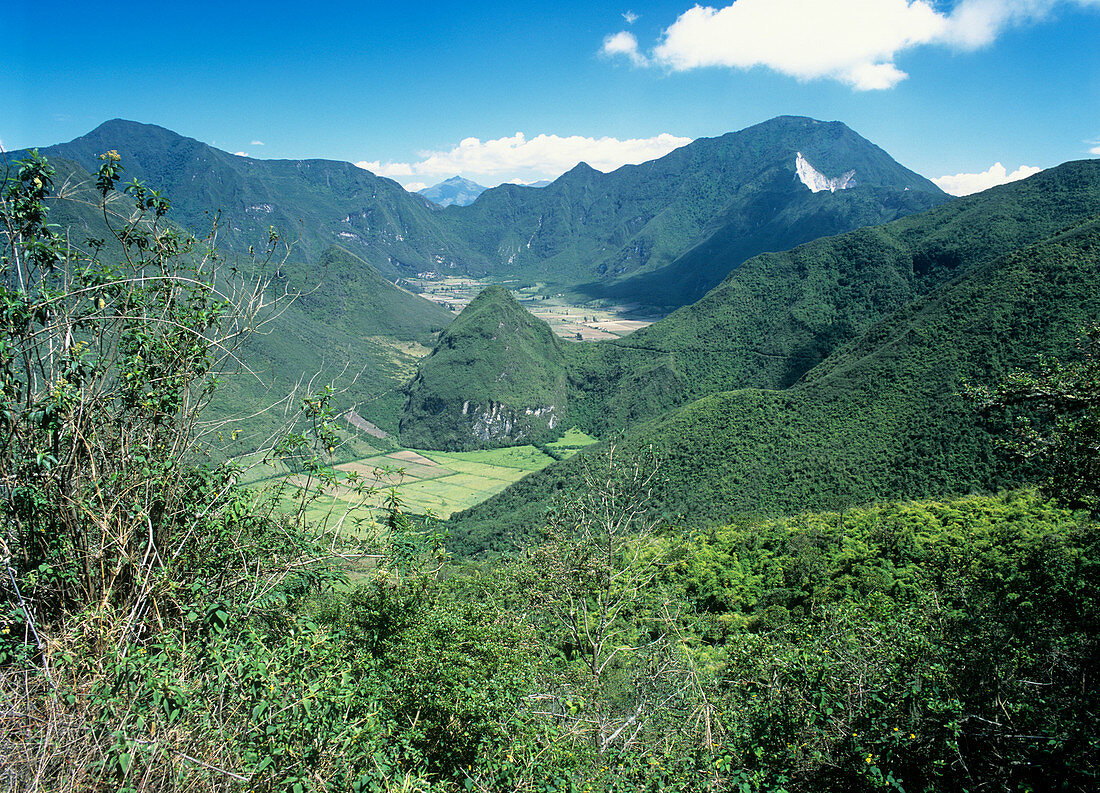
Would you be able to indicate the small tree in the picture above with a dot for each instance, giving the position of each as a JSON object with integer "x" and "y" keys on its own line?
{"x": 109, "y": 350}
{"x": 595, "y": 572}
{"x": 131, "y": 566}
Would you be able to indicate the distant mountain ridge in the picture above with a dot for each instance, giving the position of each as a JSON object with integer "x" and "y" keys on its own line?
{"x": 312, "y": 203}
{"x": 659, "y": 234}
{"x": 664, "y": 232}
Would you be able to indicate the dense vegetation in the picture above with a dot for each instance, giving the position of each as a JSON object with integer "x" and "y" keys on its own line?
{"x": 164, "y": 629}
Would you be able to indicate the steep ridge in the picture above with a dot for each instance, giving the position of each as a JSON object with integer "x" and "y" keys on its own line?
{"x": 496, "y": 377}
{"x": 777, "y": 224}
{"x": 883, "y": 416}
{"x": 313, "y": 203}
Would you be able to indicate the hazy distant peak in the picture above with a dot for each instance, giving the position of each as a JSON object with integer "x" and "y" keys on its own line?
{"x": 456, "y": 190}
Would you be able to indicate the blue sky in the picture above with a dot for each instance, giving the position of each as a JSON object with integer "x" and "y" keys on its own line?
{"x": 507, "y": 91}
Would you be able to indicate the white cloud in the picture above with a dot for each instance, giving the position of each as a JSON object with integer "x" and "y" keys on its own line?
{"x": 241, "y": 153}
{"x": 853, "y": 41}
{"x": 966, "y": 183}
{"x": 521, "y": 159}
{"x": 1093, "y": 144}
{"x": 412, "y": 187}
{"x": 624, "y": 43}
{"x": 630, "y": 17}
{"x": 256, "y": 143}
{"x": 389, "y": 169}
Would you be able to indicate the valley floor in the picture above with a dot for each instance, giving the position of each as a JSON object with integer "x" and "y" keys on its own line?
{"x": 566, "y": 317}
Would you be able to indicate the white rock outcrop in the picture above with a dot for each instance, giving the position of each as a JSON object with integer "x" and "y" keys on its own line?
{"x": 497, "y": 422}
{"x": 819, "y": 182}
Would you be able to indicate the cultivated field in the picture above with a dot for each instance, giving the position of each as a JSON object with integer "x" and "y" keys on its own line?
{"x": 422, "y": 481}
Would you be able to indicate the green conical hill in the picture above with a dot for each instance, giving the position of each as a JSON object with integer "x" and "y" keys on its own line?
{"x": 496, "y": 377}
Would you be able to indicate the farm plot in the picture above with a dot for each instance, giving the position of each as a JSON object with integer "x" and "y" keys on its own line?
{"x": 442, "y": 482}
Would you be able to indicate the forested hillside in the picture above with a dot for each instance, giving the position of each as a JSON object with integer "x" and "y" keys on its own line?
{"x": 777, "y": 316}
{"x": 883, "y": 416}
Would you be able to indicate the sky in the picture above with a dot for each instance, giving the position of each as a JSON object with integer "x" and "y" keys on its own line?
{"x": 970, "y": 93}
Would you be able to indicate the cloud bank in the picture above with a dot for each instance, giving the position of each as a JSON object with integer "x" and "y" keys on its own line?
{"x": 966, "y": 183}
{"x": 521, "y": 159}
{"x": 854, "y": 42}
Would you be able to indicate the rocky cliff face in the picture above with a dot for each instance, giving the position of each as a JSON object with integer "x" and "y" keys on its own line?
{"x": 498, "y": 424}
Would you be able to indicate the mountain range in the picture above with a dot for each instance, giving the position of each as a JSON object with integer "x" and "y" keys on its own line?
{"x": 658, "y": 235}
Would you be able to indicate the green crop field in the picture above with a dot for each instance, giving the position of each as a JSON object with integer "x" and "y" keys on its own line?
{"x": 571, "y": 442}
{"x": 442, "y": 482}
